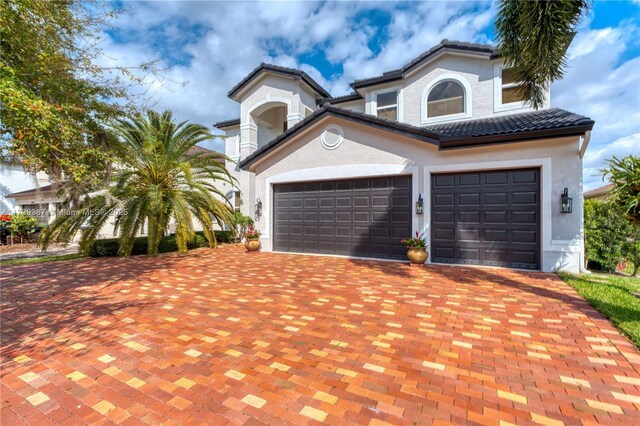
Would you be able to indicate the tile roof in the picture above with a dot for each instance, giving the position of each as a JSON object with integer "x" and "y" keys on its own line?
{"x": 445, "y": 45}
{"x": 510, "y": 125}
{"x": 502, "y": 129}
{"x": 601, "y": 190}
{"x": 276, "y": 69}
{"x": 43, "y": 190}
{"x": 227, "y": 123}
{"x": 339, "y": 99}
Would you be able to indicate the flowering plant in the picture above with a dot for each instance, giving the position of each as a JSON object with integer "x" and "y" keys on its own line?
{"x": 417, "y": 241}
{"x": 252, "y": 233}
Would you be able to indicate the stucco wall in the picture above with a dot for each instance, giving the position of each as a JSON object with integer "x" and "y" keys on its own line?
{"x": 366, "y": 151}
{"x": 475, "y": 73}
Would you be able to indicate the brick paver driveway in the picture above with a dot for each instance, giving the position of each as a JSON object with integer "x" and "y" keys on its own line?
{"x": 220, "y": 336}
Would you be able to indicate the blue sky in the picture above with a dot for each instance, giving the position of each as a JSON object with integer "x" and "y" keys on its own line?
{"x": 209, "y": 46}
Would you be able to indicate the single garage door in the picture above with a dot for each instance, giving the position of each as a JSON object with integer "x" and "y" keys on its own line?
{"x": 487, "y": 218}
{"x": 354, "y": 217}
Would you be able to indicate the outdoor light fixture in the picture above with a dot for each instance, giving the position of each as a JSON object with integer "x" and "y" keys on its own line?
{"x": 419, "y": 205}
{"x": 258, "y": 211}
{"x": 566, "y": 203}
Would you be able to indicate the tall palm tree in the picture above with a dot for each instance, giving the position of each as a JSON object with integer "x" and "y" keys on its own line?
{"x": 159, "y": 176}
{"x": 533, "y": 37}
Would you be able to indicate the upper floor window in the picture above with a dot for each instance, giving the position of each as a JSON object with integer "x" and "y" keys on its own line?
{"x": 509, "y": 87}
{"x": 445, "y": 98}
{"x": 387, "y": 105}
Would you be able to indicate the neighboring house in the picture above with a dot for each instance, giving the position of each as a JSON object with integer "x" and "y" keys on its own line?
{"x": 343, "y": 175}
{"x": 601, "y": 193}
{"x": 40, "y": 203}
{"x": 22, "y": 190}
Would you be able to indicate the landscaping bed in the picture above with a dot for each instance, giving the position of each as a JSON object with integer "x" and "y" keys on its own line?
{"x": 26, "y": 248}
{"x": 109, "y": 247}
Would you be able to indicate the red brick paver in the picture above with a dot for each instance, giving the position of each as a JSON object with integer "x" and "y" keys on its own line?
{"x": 220, "y": 336}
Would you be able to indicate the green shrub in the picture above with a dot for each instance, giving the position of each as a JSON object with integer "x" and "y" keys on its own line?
{"x": 606, "y": 230}
{"x": 239, "y": 224}
{"x": 109, "y": 247}
{"x": 22, "y": 224}
{"x": 632, "y": 248}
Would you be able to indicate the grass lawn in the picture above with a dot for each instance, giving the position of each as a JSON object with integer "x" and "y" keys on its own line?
{"x": 612, "y": 295}
{"x": 42, "y": 259}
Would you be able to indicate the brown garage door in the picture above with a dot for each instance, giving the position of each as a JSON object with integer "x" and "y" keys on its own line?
{"x": 487, "y": 218}
{"x": 355, "y": 217}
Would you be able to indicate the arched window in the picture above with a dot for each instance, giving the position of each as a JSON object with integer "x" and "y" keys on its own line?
{"x": 445, "y": 98}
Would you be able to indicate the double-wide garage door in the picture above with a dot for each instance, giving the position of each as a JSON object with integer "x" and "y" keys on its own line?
{"x": 354, "y": 217}
{"x": 487, "y": 218}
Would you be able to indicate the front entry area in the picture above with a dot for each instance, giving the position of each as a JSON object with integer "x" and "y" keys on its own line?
{"x": 487, "y": 218}
{"x": 364, "y": 217}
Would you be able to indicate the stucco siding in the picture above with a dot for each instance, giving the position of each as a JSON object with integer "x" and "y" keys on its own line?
{"x": 364, "y": 150}
{"x": 476, "y": 74}
{"x": 357, "y": 106}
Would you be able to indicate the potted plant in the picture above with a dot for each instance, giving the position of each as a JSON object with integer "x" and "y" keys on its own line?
{"x": 252, "y": 239}
{"x": 417, "y": 248}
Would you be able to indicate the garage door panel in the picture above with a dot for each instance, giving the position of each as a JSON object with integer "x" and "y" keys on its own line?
{"x": 327, "y": 203}
{"x": 447, "y": 200}
{"x": 496, "y": 198}
{"x": 468, "y": 199}
{"x": 496, "y": 222}
{"x": 360, "y": 217}
{"x": 343, "y": 216}
{"x": 469, "y": 179}
{"x": 525, "y": 176}
{"x": 343, "y": 231}
{"x": 493, "y": 217}
{"x": 467, "y": 254}
{"x": 496, "y": 235}
{"x": 380, "y": 201}
{"x": 443, "y": 217}
{"x": 524, "y": 217}
{"x": 327, "y": 217}
{"x": 343, "y": 202}
{"x": 382, "y": 216}
{"x": 524, "y": 236}
{"x": 526, "y": 198}
{"x": 472, "y": 217}
{"x": 496, "y": 178}
{"x": 444, "y": 234}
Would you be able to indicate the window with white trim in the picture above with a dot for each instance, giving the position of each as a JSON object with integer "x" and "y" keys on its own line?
{"x": 509, "y": 87}
{"x": 446, "y": 98}
{"x": 387, "y": 105}
{"x": 236, "y": 200}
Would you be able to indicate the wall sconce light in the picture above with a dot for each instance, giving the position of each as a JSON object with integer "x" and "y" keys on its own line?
{"x": 419, "y": 205}
{"x": 566, "y": 202}
{"x": 258, "y": 210}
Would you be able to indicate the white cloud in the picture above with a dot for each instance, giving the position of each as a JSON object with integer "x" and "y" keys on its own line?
{"x": 234, "y": 37}
{"x": 599, "y": 84}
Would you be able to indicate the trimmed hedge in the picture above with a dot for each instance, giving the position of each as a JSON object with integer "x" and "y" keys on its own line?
{"x": 109, "y": 247}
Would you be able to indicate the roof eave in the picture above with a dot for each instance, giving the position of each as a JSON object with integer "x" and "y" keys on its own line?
{"x": 471, "y": 141}
{"x": 374, "y": 122}
{"x": 264, "y": 68}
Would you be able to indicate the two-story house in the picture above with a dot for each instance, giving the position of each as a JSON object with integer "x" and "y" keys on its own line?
{"x": 443, "y": 145}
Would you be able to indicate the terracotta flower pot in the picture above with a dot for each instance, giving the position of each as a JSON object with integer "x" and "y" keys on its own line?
{"x": 417, "y": 255}
{"x": 252, "y": 245}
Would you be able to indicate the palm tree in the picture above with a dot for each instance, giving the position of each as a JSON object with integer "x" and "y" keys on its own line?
{"x": 157, "y": 178}
{"x": 533, "y": 37}
{"x": 624, "y": 174}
